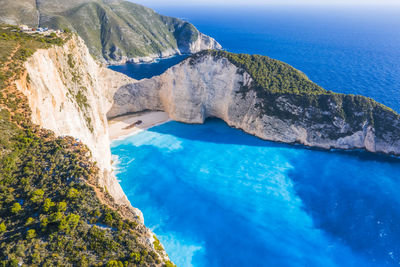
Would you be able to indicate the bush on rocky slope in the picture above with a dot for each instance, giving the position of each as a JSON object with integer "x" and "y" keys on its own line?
{"x": 278, "y": 84}
{"x": 52, "y": 210}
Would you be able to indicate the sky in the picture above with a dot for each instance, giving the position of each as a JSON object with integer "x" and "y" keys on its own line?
{"x": 266, "y": 2}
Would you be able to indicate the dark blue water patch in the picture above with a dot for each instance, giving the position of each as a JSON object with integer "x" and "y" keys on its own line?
{"x": 357, "y": 207}
{"x": 140, "y": 71}
{"x": 216, "y": 196}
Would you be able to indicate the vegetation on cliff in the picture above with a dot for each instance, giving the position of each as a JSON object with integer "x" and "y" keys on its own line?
{"x": 111, "y": 29}
{"x": 269, "y": 74}
{"x": 49, "y": 209}
{"x": 52, "y": 210}
{"x": 276, "y": 77}
{"x": 15, "y": 48}
{"x": 288, "y": 94}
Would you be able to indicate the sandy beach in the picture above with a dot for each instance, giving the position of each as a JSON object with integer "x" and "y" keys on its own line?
{"x": 134, "y": 123}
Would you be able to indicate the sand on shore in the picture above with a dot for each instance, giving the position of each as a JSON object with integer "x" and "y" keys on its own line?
{"x": 128, "y": 124}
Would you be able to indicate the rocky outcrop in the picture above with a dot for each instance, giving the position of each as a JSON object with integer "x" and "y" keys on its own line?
{"x": 69, "y": 93}
{"x": 210, "y": 86}
{"x": 203, "y": 42}
{"x": 115, "y": 31}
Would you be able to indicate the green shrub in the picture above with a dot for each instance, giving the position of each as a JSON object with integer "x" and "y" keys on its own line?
{"x": 73, "y": 220}
{"x": 108, "y": 219}
{"x": 44, "y": 221}
{"x": 3, "y": 227}
{"x": 56, "y": 217}
{"x": 13, "y": 263}
{"x": 268, "y": 74}
{"x": 136, "y": 257}
{"x": 169, "y": 264}
{"x": 71, "y": 62}
{"x": 29, "y": 221}
{"x": 47, "y": 205}
{"x": 16, "y": 207}
{"x": 62, "y": 206}
{"x": 69, "y": 223}
{"x": 30, "y": 234}
{"x": 157, "y": 244}
{"x": 114, "y": 263}
{"x": 72, "y": 193}
{"x": 37, "y": 196}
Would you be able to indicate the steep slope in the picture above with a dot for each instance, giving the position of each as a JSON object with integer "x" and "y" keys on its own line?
{"x": 264, "y": 97}
{"x": 115, "y": 31}
{"x": 67, "y": 93}
{"x": 19, "y": 12}
{"x": 60, "y": 204}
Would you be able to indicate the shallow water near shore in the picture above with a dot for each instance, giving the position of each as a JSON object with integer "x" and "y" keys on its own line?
{"x": 216, "y": 196}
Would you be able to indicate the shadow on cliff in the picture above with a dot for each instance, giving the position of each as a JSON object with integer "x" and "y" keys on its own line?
{"x": 212, "y": 132}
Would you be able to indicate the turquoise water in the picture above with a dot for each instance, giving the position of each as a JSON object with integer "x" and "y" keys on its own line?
{"x": 216, "y": 196}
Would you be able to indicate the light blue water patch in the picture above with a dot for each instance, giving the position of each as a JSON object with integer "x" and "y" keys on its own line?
{"x": 216, "y": 196}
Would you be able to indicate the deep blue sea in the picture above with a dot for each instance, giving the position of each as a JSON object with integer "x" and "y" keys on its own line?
{"x": 216, "y": 196}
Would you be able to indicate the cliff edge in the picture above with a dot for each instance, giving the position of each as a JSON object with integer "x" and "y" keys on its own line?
{"x": 69, "y": 94}
{"x": 266, "y": 98}
{"x": 60, "y": 203}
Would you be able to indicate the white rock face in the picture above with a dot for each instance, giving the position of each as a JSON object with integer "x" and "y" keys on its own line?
{"x": 210, "y": 87}
{"x": 69, "y": 93}
{"x": 203, "y": 42}
{"x": 186, "y": 94}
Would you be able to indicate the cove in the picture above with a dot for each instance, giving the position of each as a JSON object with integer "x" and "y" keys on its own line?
{"x": 216, "y": 196}
{"x": 140, "y": 71}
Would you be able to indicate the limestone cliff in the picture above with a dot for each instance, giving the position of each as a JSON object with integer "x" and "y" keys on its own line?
{"x": 69, "y": 93}
{"x": 201, "y": 43}
{"x": 210, "y": 85}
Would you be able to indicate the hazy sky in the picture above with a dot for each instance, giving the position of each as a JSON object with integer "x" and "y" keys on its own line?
{"x": 266, "y": 2}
